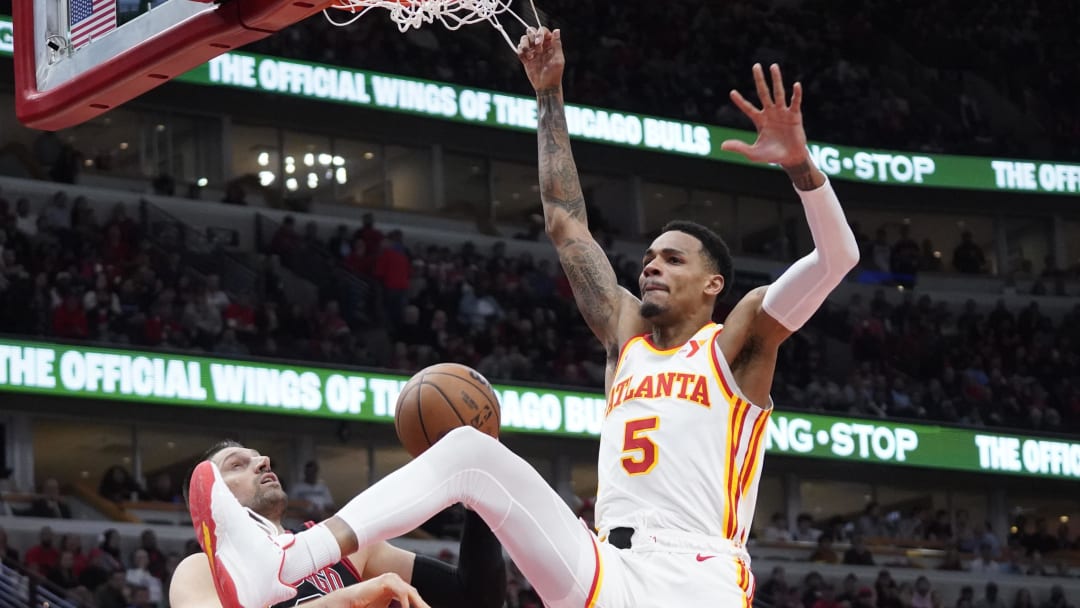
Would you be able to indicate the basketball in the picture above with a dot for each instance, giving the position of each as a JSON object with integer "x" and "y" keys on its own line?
{"x": 439, "y": 399}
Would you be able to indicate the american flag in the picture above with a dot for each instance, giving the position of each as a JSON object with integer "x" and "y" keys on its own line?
{"x": 90, "y": 20}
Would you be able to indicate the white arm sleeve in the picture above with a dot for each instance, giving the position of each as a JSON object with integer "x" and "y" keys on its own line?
{"x": 794, "y": 297}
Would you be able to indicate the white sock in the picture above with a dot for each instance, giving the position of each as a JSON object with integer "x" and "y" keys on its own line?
{"x": 312, "y": 550}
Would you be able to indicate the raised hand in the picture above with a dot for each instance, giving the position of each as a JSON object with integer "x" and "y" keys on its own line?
{"x": 780, "y": 135}
{"x": 540, "y": 51}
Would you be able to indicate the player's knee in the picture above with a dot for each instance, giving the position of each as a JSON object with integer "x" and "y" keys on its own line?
{"x": 472, "y": 443}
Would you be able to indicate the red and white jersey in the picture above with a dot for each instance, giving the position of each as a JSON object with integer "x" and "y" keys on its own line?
{"x": 680, "y": 447}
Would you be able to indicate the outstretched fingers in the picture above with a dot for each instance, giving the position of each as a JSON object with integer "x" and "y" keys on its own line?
{"x": 737, "y": 146}
{"x": 796, "y": 97}
{"x": 762, "y": 87}
{"x": 747, "y": 108}
{"x": 779, "y": 95}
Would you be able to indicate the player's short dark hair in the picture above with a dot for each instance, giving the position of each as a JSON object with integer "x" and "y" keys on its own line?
{"x": 715, "y": 249}
{"x": 207, "y": 455}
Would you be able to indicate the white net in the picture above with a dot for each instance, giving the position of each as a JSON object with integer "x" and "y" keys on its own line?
{"x": 452, "y": 14}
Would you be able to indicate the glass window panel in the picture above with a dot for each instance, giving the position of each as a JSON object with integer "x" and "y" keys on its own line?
{"x": 611, "y": 205}
{"x": 360, "y": 180}
{"x": 717, "y": 211}
{"x": 516, "y": 193}
{"x": 938, "y": 234}
{"x": 794, "y": 232}
{"x": 78, "y": 451}
{"x": 467, "y": 188}
{"x": 945, "y": 232}
{"x": 970, "y": 510}
{"x": 194, "y": 148}
{"x": 583, "y": 479}
{"x": 1072, "y": 244}
{"x": 824, "y": 499}
{"x": 308, "y": 166}
{"x": 170, "y": 452}
{"x": 663, "y": 203}
{"x": 1029, "y": 242}
{"x": 759, "y": 227}
{"x": 871, "y": 224}
{"x": 14, "y": 131}
{"x": 1053, "y": 511}
{"x": 121, "y": 143}
{"x": 133, "y": 143}
{"x": 344, "y": 469}
{"x": 896, "y": 496}
{"x": 409, "y": 174}
{"x": 255, "y": 152}
{"x": 770, "y": 499}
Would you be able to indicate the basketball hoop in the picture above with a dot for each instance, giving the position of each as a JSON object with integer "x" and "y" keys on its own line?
{"x": 453, "y": 14}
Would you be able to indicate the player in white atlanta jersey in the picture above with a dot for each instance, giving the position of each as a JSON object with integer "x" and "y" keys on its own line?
{"x": 679, "y": 409}
{"x": 680, "y": 450}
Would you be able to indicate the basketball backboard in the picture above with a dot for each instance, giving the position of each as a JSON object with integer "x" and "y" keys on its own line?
{"x": 75, "y": 59}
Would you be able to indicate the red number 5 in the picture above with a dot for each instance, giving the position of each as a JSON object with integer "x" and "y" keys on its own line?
{"x": 635, "y": 439}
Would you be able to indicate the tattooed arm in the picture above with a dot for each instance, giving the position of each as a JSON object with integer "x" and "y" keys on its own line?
{"x": 610, "y": 310}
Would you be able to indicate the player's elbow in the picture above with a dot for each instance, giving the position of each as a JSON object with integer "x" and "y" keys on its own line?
{"x": 554, "y": 228}
{"x": 839, "y": 256}
{"x": 559, "y": 226}
{"x": 847, "y": 254}
{"x": 561, "y": 230}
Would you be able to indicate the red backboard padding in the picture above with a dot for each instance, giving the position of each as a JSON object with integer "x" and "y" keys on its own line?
{"x": 146, "y": 65}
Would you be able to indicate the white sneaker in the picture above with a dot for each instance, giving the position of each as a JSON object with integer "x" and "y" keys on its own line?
{"x": 245, "y": 555}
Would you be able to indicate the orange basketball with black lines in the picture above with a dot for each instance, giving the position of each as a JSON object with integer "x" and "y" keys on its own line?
{"x": 439, "y": 399}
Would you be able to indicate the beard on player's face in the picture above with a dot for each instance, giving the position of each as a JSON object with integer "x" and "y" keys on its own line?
{"x": 268, "y": 501}
{"x": 651, "y": 310}
{"x": 664, "y": 299}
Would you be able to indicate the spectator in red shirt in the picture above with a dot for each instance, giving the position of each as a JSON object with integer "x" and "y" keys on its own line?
{"x": 240, "y": 315}
{"x": 69, "y": 319}
{"x": 120, "y": 219}
{"x": 393, "y": 270}
{"x": 331, "y": 322}
{"x": 116, "y": 250}
{"x": 360, "y": 260}
{"x": 368, "y": 233}
{"x": 826, "y": 598}
{"x": 72, "y": 544}
{"x": 286, "y": 239}
{"x": 154, "y": 325}
{"x": 43, "y": 557}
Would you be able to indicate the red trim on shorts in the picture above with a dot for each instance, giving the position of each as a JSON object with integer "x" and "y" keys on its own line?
{"x": 594, "y": 589}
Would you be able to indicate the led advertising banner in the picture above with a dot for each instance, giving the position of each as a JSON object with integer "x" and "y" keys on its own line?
{"x": 156, "y": 379}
